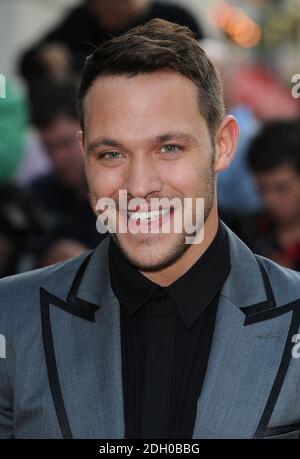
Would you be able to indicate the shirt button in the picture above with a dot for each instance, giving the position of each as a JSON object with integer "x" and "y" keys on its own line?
{"x": 162, "y": 298}
{"x": 161, "y": 295}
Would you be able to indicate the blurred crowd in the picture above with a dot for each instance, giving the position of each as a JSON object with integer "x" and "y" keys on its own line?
{"x": 45, "y": 216}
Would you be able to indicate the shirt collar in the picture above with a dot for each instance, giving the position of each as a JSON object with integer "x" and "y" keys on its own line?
{"x": 191, "y": 293}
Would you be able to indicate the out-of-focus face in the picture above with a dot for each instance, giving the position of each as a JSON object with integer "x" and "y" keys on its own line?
{"x": 61, "y": 144}
{"x": 280, "y": 190}
{"x": 146, "y": 135}
{"x": 116, "y": 14}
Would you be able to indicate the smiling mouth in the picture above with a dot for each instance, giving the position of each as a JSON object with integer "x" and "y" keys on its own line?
{"x": 151, "y": 216}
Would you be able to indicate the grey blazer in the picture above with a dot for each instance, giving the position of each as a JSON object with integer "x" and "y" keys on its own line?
{"x": 60, "y": 368}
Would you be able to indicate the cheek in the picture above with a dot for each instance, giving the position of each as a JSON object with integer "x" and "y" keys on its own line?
{"x": 103, "y": 181}
{"x": 187, "y": 177}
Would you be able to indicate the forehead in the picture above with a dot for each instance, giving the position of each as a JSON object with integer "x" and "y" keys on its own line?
{"x": 160, "y": 100}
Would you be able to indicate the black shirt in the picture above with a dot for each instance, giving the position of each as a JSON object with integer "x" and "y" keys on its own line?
{"x": 166, "y": 335}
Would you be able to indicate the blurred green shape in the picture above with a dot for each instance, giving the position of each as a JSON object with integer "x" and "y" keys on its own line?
{"x": 13, "y": 127}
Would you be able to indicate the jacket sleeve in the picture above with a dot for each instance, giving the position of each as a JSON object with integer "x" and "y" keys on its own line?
{"x": 6, "y": 398}
{"x": 6, "y": 357}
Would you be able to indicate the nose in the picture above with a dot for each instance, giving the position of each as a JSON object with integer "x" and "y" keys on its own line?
{"x": 143, "y": 178}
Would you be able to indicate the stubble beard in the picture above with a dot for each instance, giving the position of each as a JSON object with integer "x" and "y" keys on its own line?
{"x": 179, "y": 247}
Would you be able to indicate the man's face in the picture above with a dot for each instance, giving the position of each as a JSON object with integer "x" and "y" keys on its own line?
{"x": 146, "y": 135}
{"x": 60, "y": 142}
{"x": 280, "y": 190}
{"x": 116, "y": 14}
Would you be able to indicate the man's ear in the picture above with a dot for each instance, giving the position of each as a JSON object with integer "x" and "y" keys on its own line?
{"x": 226, "y": 142}
{"x": 80, "y": 140}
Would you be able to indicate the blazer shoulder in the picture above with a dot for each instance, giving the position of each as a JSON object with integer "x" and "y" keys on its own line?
{"x": 20, "y": 293}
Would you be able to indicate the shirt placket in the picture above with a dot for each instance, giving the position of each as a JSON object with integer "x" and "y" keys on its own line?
{"x": 155, "y": 407}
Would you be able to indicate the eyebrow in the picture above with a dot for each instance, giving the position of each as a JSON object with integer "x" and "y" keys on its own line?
{"x": 165, "y": 137}
{"x": 103, "y": 142}
{"x": 175, "y": 135}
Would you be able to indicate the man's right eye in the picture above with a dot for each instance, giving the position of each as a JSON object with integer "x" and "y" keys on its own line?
{"x": 110, "y": 155}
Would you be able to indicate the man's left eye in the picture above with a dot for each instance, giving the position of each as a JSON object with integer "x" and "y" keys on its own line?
{"x": 169, "y": 149}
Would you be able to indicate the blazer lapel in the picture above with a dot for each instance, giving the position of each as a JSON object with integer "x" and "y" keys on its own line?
{"x": 83, "y": 352}
{"x": 249, "y": 355}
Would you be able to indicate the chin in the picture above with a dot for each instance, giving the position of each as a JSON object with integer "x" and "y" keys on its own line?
{"x": 148, "y": 264}
{"x": 152, "y": 253}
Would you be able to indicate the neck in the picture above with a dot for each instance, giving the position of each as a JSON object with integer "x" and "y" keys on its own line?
{"x": 170, "y": 274}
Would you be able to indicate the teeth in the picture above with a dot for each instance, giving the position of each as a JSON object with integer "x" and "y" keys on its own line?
{"x": 148, "y": 215}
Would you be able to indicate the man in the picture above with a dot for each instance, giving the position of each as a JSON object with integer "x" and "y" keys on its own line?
{"x": 65, "y": 47}
{"x": 176, "y": 334}
{"x": 63, "y": 192}
{"x": 274, "y": 160}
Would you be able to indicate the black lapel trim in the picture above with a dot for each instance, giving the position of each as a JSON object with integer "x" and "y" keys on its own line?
{"x": 255, "y": 309}
{"x": 58, "y": 400}
{"x": 267, "y": 309}
{"x": 281, "y": 430}
{"x": 80, "y": 307}
{"x": 267, "y": 283}
{"x": 272, "y": 313}
{"x": 77, "y": 307}
{"x": 264, "y": 311}
{"x": 282, "y": 370}
{"x": 268, "y": 305}
{"x": 77, "y": 280}
{"x": 74, "y": 305}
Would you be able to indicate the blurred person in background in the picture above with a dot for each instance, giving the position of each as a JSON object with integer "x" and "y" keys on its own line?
{"x": 274, "y": 158}
{"x": 60, "y": 250}
{"x": 25, "y": 230}
{"x": 64, "y": 49}
{"x": 13, "y": 124}
{"x": 255, "y": 95}
{"x": 63, "y": 192}
{"x": 21, "y": 156}
{"x": 24, "y": 227}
